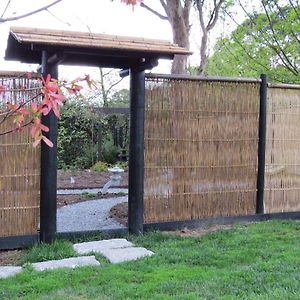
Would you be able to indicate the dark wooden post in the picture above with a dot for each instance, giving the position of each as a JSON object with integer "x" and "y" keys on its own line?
{"x": 262, "y": 145}
{"x": 136, "y": 152}
{"x": 48, "y": 167}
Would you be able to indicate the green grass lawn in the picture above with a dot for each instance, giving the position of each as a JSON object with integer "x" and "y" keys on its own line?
{"x": 257, "y": 261}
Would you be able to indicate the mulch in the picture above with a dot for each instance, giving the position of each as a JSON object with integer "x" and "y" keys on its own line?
{"x": 86, "y": 179}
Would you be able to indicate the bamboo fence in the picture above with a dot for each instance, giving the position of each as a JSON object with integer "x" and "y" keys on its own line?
{"x": 201, "y": 140}
{"x": 19, "y": 163}
{"x": 282, "y": 176}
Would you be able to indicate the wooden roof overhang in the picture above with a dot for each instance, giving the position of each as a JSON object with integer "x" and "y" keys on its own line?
{"x": 89, "y": 49}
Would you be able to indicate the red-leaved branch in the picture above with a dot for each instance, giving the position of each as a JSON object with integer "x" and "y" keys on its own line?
{"x": 49, "y": 98}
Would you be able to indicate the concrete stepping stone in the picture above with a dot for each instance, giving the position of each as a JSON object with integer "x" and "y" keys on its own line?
{"x": 9, "y": 271}
{"x": 116, "y": 256}
{"x": 72, "y": 262}
{"x": 99, "y": 246}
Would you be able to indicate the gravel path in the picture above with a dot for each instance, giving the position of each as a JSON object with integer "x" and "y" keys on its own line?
{"x": 88, "y": 215}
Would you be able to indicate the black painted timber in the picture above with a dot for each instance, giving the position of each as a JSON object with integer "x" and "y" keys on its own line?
{"x": 48, "y": 179}
{"x": 136, "y": 152}
{"x": 261, "y": 144}
{"x": 16, "y": 242}
{"x": 193, "y": 224}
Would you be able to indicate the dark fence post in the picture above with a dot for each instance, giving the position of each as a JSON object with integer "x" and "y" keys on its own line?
{"x": 136, "y": 152}
{"x": 261, "y": 144}
{"x": 48, "y": 179}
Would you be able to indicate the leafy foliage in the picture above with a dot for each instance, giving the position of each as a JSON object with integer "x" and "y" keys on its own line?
{"x": 265, "y": 43}
{"x": 85, "y": 136}
{"x": 100, "y": 166}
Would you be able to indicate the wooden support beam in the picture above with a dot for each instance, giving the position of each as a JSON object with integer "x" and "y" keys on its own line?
{"x": 48, "y": 167}
{"x": 136, "y": 152}
{"x": 261, "y": 144}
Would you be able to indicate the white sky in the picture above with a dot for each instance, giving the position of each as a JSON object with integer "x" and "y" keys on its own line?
{"x": 98, "y": 16}
{"x": 101, "y": 16}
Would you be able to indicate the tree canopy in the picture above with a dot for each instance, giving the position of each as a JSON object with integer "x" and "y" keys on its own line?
{"x": 266, "y": 42}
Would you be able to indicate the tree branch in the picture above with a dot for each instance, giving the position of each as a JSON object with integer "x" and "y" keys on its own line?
{"x": 215, "y": 15}
{"x": 277, "y": 42}
{"x": 284, "y": 16}
{"x": 15, "y": 129}
{"x": 5, "y": 9}
{"x": 270, "y": 45}
{"x": 2, "y": 20}
{"x": 156, "y": 13}
{"x": 201, "y": 19}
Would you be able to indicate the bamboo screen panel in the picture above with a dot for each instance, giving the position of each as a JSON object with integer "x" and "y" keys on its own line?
{"x": 282, "y": 175}
{"x": 201, "y": 143}
{"x": 19, "y": 164}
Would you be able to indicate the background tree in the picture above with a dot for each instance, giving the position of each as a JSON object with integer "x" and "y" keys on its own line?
{"x": 178, "y": 14}
{"x": 266, "y": 42}
{"x": 109, "y": 79}
{"x": 206, "y": 25}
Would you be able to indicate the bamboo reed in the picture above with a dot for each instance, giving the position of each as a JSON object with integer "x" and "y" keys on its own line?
{"x": 282, "y": 180}
{"x": 19, "y": 164}
{"x": 200, "y": 148}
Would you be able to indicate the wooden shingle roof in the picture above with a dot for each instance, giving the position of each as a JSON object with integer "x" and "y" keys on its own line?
{"x": 25, "y": 43}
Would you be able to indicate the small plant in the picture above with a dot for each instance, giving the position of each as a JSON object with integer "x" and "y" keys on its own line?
{"x": 89, "y": 195}
{"x": 123, "y": 165}
{"x": 121, "y": 194}
{"x": 100, "y": 166}
{"x": 110, "y": 151}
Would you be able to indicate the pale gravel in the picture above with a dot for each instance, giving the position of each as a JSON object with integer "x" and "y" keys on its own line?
{"x": 88, "y": 215}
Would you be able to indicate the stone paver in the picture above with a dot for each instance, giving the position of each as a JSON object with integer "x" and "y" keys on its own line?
{"x": 115, "y": 250}
{"x": 8, "y": 271}
{"x": 125, "y": 254}
{"x": 99, "y": 246}
{"x": 72, "y": 262}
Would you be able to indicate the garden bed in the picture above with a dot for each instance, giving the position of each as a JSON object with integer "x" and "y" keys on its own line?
{"x": 86, "y": 179}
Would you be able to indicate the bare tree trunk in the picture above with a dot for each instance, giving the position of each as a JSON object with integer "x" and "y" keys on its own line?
{"x": 103, "y": 90}
{"x": 203, "y": 53}
{"x": 178, "y": 15}
{"x": 205, "y": 28}
{"x": 180, "y": 37}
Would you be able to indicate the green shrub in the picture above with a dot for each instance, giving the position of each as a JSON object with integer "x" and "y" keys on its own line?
{"x": 77, "y": 136}
{"x": 123, "y": 165}
{"x": 100, "y": 166}
{"x": 85, "y": 136}
{"x": 110, "y": 151}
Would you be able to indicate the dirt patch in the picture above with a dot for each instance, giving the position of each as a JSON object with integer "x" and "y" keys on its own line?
{"x": 86, "y": 179}
{"x": 10, "y": 258}
{"x": 198, "y": 232}
{"x": 120, "y": 213}
{"x": 201, "y": 231}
